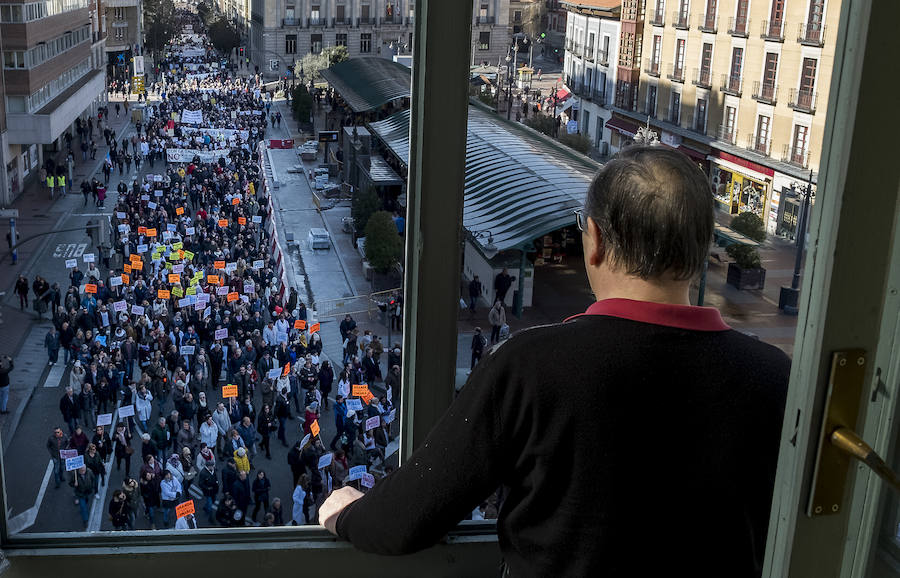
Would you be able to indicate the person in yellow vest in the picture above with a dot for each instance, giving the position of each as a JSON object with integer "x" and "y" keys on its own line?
{"x": 61, "y": 185}
{"x": 50, "y": 182}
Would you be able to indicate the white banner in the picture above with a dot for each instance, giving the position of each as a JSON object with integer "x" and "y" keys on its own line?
{"x": 216, "y": 132}
{"x": 192, "y": 116}
{"x": 187, "y": 155}
{"x": 198, "y": 76}
{"x": 192, "y": 52}
{"x": 139, "y": 66}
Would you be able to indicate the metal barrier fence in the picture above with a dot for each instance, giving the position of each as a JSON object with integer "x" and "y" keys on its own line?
{"x": 355, "y": 305}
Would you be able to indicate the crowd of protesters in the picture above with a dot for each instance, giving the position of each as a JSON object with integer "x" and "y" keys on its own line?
{"x": 184, "y": 299}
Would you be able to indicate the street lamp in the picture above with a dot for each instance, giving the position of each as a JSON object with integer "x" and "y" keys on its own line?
{"x": 509, "y": 82}
{"x": 645, "y": 136}
{"x": 790, "y": 296}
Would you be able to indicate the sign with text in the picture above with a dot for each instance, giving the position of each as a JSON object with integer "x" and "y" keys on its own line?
{"x": 356, "y": 473}
{"x": 372, "y": 423}
{"x": 354, "y": 404}
{"x": 325, "y": 461}
{"x": 67, "y": 454}
{"x": 229, "y": 391}
{"x": 314, "y": 428}
{"x": 221, "y": 334}
{"x": 74, "y": 463}
{"x": 126, "y": 411}
{"x": 359, "y": 390}
{"x": 183, "y": 509}
{"x": 104, "y": 419}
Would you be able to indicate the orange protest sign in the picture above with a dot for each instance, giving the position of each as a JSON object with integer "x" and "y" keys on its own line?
{"x": 314, "y": 428}
{"x": 229, "y": 391}
{"x": 299, "y": 324}
{"x": 223, "y": 223}
{"x": 242, "y": 220}
{"x": 184, "y": 508}
{"x": 368, "y": 397}
{"x": 163, "y": 294}
{"x": 137, "y": 264}
{"x": 90, "y": 288}
{"x": 151, "y": 232}
{"x": 142, "y": 230}
{"x": 359, "y": 390}
{"x": 314, "y": 328}
{"x": 126, "y": 279}
{"x": 219, "y": 264}
{"x": 179, "y": 210}
{"x": 174, "y": 278}
{"x": 126, "y": 267}
{"x": 286, "y": 369}
{"x": 233, "y": 296}
{"x": 212, "y": 279}
{"x": 235, "y": 201}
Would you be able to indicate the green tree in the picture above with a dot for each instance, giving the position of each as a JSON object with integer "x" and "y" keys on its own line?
{"x": 159, "y": 24}
{"x": 576, "y": 141}
{"x": 542, "y": 123}
{"x": 313, "y": 64}
{"x": 204, "y": 10}
{"x": 365, "y": 204}
{"x": 301, "y": 103}
{"x": 223, "y": 36}
{"x": 384, "y": 247}
{"x": 750, "y": 225}
{"x": 746, "y": 256}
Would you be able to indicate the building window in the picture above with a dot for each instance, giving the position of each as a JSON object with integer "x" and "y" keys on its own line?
{"x": 655, "y": 54}
{"x": 761, "y": 144}
{"x": 484, "y": 40}
{"x": 315, "y": 41}
{"x": 727, "y": 134}
{"x": 651, "y": 100}
{"x": 800, "y": 145}
{"x": 365, "y": 43}
{"x": 290, "y": 44}
{"x": 808, "y": 75}
{"x": 483, "y": 11}
{"x": 364, "y": 14}
{"x": 517, "y": 16}
{"x": 770, "y": 70}
{"x": 679, "y": 57}
{"x": 340, "y": 39}
{"x": 675, "y": 110}
{"x": 700, "y": 116}
{"x": 340, "y": 16}
{"x": 119, "y": 13}
{"x": 13, "y": 59}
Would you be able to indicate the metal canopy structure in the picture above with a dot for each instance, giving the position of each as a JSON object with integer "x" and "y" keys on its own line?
{"x": 369, "y": 82}
{"x": 520, "y": 184}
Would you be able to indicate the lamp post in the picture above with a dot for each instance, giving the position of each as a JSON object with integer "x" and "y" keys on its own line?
{"x": 789, "y": 298}
{"x": 508, "y": 86}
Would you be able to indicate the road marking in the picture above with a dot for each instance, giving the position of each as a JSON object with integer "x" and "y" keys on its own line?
{"x": 96, "y": 516}
{"x": 26, "y": 519}
{"x": 54, "y": 378}
{"x": 69, "y": 250}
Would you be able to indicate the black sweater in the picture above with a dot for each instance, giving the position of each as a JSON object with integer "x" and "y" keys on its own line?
{"x": 626, "y": 448}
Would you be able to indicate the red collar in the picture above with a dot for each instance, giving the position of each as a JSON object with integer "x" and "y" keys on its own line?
{"x": 680, "y": 316}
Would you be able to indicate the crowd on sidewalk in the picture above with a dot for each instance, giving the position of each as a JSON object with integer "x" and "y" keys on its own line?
{"x": 182, "y": 338}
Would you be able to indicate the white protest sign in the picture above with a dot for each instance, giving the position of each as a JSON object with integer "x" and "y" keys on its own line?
{"x": 152, "y": 205}
{"x": 120, "y": 215}
{"x": 66, "y": 454}
{"x": 390, "y": 416}
{"x": 354, "y": 404}
{"x": 273, "y": 373}
{"x": 356, "y": 472}
{"x": 142, "y": 248}
{"x": 367, "y": 480}
{"x": 88, "y": 257}
{"x": 187, "y": 350}
{"x": 104, "y": 318}
{"x": 203, "y": 298}
{"x": 222, "y": 290}
{"x": 249, "y": 287}
{"x": 74, "y": 463}
{"x": 104, "y": 419}
{"x": 185, "y": 302}
{"x": 115, "y": 281}
{"x": 145, "y": 197}
{"x": 126, "y": 411}
{"x": 229, "y": 267}
{"x": 171, "y": 227}
{"x": 305, "y": 440}
{"x": 120, "y": 306}
{"x": 192, "y": 116}
{"x": 258, "y": 264}
{"x": 122, "y": 228}
{"x": 221, "y": 334}
{"x": 257, "y": 219}
{"x": 325, "y": 461}
{"x": 372, "y": 423}
{"x": 71, "y": 263}
{"x": 178, "y": 268}
{"x": 158, "y": 193}
{"x": 137, "y": 310}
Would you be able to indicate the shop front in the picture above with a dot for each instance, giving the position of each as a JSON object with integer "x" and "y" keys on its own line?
{"x": 740, "y": 185}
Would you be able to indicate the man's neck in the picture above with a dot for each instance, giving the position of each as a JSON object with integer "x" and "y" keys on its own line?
{"x": 620, "y": 286}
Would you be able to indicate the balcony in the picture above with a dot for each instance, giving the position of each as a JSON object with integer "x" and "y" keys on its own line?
{"x": 680, "y": 20}
{"x": 311, "y": 22}
{"x": 341, "y": 22}
{"x": 391, "y": 20}
{"x": 366, "y": 22}
{"x": 811, "y": 34}
{"x": 651, "y": 67}
{"x": 676, "y": 74}
{"x": 803, "y": 100}
{"x": 737, "y": 26}
{"x": 702, "y": 78}
{"x": 697, "y": 123}
{"x": 482, "y": 20}
{"x": 657, "y": 17}
{"x": 765, "y": 92}
{"x": 410, "y": 21}
{"x": 579, "y": 49}
{"x": 795, "y": 155}
{"x": 570, "y": 44}
{"x": 650, "y": 110}
{"x": 759, "y": 144}
{"x": 288, "y": 22}
{"x": 589, "y": 53}
{"x": 707, "y": 23}
{"x": 731, "y": 84}
{"x": 602, "y": 57}
{"x": 599, "y": 97}
{"x": 725, "y": 133}
{"x": 772, "y": 30}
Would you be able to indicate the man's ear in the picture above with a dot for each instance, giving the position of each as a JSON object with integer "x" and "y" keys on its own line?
{"x": 594, "y": 245}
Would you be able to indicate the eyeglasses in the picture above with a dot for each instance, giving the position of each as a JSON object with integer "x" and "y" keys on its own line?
{"x": 580, "y": 219}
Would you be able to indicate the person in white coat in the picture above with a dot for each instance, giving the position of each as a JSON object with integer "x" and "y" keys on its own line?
{"x": 143, "y": 407}
{"x": 497, "y": 319}
{"x": 300, "y": 511}
{"x": 223, "y": 422}
{"x": 209, "y": 432}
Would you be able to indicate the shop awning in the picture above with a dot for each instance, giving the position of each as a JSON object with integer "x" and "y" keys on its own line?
{"x": 622, "y": 126}
{"x": 368, "y": 82}
{"x": 519, "y": 185}
{"x": 562, "y": 94}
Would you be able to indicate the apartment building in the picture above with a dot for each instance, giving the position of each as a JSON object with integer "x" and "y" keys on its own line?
{"x": 526, "y": 17}
{"x": 282, "y": 31}
{"x": 593, "y": 30}
{"x": 741, "y": 86}
{"x": 50, "y": 78}
{"x": 124, "y": 23}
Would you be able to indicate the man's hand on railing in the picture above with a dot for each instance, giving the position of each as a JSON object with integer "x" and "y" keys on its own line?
{"x": 332, "y": 507}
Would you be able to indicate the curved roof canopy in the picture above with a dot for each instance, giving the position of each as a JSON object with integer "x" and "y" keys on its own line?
{"x": 519, "y": 184}
{"x": 366, "y": 83}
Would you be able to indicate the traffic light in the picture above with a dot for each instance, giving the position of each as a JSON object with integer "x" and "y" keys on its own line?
{"x": 241, "y": 49}
{"x": 543, "y": 35}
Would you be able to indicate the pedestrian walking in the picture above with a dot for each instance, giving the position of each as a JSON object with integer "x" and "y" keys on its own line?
{"x": 474, "y": 293}
{"x": 57, "y": 442}
{"x": 497, "y": 319}
{"x": 84, "y": 483}
{"x": 478, "y": 345}
{"x": 68, "y": 407}
{"x": 22, "y": 291}
{"x": 51, "y": 343}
